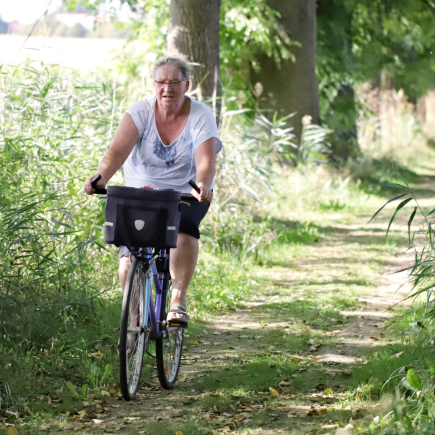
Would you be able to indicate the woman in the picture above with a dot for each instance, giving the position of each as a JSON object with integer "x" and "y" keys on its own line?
{"x": 163, "y": 142}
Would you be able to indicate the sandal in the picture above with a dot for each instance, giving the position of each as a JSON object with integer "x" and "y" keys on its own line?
{"x": 178, "y": 308}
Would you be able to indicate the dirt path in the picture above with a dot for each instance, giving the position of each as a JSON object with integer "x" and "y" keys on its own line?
{"x": 284, "y": 361}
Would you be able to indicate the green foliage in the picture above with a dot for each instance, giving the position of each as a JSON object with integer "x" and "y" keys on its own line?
{"x": 99, "y": 377}
{"x": 45, "y": 237}
{"x": 362, "y": 40}
{"x": 423, "y": 271}
{"x": 358, "y": 39}
{"x": 414, "y": 402}
{"x": 249, "y": 27}
{"x": 81, "y": 394}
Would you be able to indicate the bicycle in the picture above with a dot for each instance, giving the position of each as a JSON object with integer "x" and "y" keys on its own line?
{"x": 143, "y": 318}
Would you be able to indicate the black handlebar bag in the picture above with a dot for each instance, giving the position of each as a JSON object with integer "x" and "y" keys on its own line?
{"x": 142, "y": 217}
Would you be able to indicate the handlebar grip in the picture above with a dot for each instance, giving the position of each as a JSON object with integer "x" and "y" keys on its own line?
{"x": 194, "y": 185}
{"x": 94, "y": 185}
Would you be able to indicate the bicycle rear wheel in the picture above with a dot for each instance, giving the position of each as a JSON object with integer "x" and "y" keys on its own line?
{"x": 168, "y": 349}
{"x": 134, "y": 335}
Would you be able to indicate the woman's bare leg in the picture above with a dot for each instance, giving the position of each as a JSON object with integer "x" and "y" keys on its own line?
{"x": 182, "y": 266}
{"x": 183, "y": 260}
{"x": 124, "y": 265}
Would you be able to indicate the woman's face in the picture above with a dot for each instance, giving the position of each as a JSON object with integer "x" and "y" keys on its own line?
{"x": 170, "y": 96}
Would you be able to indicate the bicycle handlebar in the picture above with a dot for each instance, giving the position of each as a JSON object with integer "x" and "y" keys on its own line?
{"x": 104, "y": 191}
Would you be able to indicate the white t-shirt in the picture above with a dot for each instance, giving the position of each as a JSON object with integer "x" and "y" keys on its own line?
{"x": 153, "y": 164}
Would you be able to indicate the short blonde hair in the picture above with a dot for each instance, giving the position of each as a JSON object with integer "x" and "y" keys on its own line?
{"x": 180, "y": 64}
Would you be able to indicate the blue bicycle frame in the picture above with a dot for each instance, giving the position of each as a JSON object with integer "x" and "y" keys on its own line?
{"x": 153, "y": 311}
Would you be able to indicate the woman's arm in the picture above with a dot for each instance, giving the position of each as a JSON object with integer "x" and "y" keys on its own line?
{"x": 125, "y": 139}
{"x": 205, "y": 159}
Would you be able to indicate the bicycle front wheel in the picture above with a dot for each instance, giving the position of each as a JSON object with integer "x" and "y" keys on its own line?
{"x": 134, "y": 328}
{"x": 169, "y": 348}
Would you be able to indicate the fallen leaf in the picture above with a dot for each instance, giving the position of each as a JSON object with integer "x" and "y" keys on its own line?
{"x": 86, "y": 426}
{"x": 316, "y": 411}
{"x": 81, "y": 413}
{"x": 283, "y": 384}
{"x": 254, "y": 309}
{"x": 274, "y": 392}
{"x": 12, "y": 431}
{"x": 328, "y": 391}
{"x": 181, "y": 377}
{"x": 193, "y": 342}
{"x": 178, "y": 432}
{"x": 374, "y": 338}
{"x": 397, "y": 355}
{"x": 96, "y": 421}
{"x": 382, "y": 335}
{"x": 105, "y": 393}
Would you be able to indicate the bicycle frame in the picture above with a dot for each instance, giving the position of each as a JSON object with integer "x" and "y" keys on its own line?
{"x": 158, "y": 330}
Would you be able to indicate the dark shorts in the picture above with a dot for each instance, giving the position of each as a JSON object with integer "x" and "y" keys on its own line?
{"x": 190, "y": 219}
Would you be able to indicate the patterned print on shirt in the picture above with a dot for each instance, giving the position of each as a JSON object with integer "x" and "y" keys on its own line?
{"x": 166, "y": 153}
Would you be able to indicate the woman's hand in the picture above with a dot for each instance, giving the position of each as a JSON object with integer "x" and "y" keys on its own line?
{"x": 205, "y": 195}
{"x": 101, "y": 184}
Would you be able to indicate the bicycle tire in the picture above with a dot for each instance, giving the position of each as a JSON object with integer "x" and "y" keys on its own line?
{"x": 135, "y": 314}
{"x": 168, "y": 350}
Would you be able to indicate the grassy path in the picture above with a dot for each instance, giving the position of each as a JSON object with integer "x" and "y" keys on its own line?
{"x": 306, "y": 353}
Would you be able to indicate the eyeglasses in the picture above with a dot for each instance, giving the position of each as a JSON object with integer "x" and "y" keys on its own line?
{"x": 172, "y": 85}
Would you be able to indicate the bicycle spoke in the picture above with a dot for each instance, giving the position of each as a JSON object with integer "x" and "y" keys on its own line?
{"x": 168, "y": 352}
{"x": 133, "y": 334}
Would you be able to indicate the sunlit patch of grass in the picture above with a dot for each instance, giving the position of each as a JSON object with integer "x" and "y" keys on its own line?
{"x": 193, "y": 425}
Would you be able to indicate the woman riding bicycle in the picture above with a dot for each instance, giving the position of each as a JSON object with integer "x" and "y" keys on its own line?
{"x": 163, "y": 142}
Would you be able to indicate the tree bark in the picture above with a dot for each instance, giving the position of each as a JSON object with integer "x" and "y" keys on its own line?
{"x": 293, "y": 87}
{"x": 335, "y": 54}
{"x": 194, "y": 36}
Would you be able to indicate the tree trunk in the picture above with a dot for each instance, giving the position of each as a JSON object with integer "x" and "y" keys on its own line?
{"x": 344, "y": 138}
{"x": 194, "y": 36}
{"x": 334, "y": 53}
{"x": 293, "y": 87}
